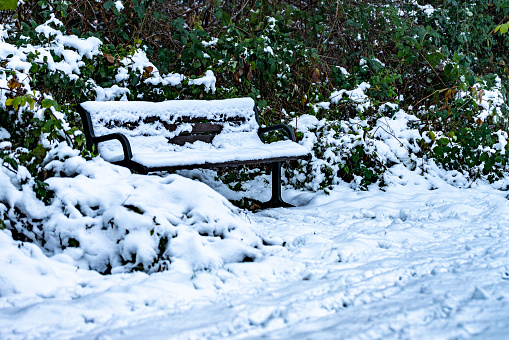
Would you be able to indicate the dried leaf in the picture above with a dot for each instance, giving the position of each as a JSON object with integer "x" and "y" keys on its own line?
{"x": 255, "y": 207}
{"x": 13, "y": 84}
{"x": 109, "y": 58}
{"x": 249, "y": 72}
{"x": 42, "y": 175}
{"x": 147, "y": 71}
{"x": 449, "y": 94}
{"x": 314, "y": 74}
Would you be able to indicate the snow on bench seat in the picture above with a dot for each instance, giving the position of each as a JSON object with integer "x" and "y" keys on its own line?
{"x": 248, "y": 149}
{"x": 185, "y": 134}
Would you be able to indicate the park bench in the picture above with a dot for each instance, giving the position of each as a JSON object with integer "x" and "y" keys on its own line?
{"x": 187, "y": 134}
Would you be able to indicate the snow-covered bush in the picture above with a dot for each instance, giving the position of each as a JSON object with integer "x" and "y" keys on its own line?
{"x": 355, "y": 150}
{"x": 109, "y": 220}
{"x": 54, "y": 194}
{"x": 468, "y": 135}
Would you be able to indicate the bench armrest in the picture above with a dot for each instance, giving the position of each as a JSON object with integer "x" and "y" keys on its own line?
{"x": 287, "y": 129}
{"x": 126, "y": 146}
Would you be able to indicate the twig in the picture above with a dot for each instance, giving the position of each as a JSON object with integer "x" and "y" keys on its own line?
{"x": 84, "y": 19}
{"x": 8, "y": 168}
{"x": 439, "y": 91}
{"x": 432, "y": 68}
{"x": 493, "y": 30}
{"x": 390, "y": 133}
{"x": 194, "y": 8}
{"x": 126, "y": 199}
{"x": 11, "y": 90}
{"x": 243, "y": 6}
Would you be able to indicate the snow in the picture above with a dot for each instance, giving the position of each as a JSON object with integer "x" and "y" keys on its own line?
{"x": 86, "y": 47}
{"x": 238, "y": 147}
{"x": 423, "y": 257}
{"x": 208, "y": 81}
{"x": 69, "y": 48}
{"x": 357, "y": 95}
{"x": 105, "y": 94}
{"x": 119, "y": 5}
{"x": 268, "y": 49}
{"x": 212, "y": 42}
{"x": 502, "y": 141}
{"x": 491, "y": 101}
{"x": 4, "y": 134}
{"x": 406, "y": 262}
{"x": 343, "y": 71}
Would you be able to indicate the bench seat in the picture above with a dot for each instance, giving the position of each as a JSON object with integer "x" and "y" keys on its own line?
{"x": 186, "y": 134}
{"x": 248, "y": 149}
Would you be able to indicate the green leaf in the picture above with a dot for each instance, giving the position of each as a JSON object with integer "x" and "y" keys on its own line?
{"x": 438, "y": 151}
{"x": 47, "y": 103}
{"x": 134, "y": 208}
{"x": 34, "y": 68}
{"x": 17, "y": 102}
{"x": 8, "y": 5}
{"x": 139, "y": 11}
{"x": 39, "y": 152}
{"x": 31, "y": 102}
{"x": 73, "y": 243}
{"x": 443, "y": 141}
{"x": 108, "y": 4}
{"x": 12, "y": 162}
{"x": 504, "y": 28}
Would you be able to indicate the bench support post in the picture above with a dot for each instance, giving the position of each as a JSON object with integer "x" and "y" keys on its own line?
{"x": 276, "y": 200}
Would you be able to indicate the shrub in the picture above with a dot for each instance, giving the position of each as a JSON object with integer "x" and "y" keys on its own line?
{"x": 342, "y": 61}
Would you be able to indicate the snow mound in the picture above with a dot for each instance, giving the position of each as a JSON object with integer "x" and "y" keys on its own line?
{"x": 104, "y": 218}
{"x": 28, "y": 276}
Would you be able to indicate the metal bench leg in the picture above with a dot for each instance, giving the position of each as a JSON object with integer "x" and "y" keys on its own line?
{"x": 276, "y": 200}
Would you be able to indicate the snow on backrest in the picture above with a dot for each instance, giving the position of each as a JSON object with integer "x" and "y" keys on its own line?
{"x": 136, "y": 118}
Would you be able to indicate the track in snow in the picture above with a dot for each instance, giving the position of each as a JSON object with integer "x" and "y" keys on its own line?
{"x": 431, "y": 264}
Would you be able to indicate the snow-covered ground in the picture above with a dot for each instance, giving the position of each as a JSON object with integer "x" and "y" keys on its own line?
{"x": 420, "y": 259}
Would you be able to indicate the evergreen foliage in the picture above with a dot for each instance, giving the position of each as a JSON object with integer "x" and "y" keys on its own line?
{"x": 435, "y": 59}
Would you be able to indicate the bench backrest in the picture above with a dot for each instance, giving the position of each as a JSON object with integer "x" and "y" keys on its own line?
{"x": 179, "y": 121}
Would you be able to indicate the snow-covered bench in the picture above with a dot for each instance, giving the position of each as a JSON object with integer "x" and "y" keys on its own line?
{"x": 186, "y": 134}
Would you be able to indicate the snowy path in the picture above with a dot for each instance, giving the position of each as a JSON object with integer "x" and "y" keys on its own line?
{"x": 405, "y": 263}
{"x": 437, "y": 268}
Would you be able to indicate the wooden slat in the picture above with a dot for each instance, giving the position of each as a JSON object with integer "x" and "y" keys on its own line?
{"x": 181, "y": 140}
{"x": 198, "y": 128}
{"x": 200, "y": 125}
{"x": 207, "y": 128}
{"x": 186, "y": 119}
